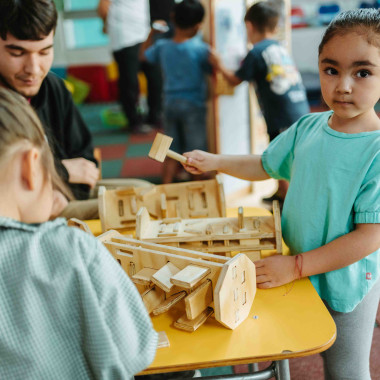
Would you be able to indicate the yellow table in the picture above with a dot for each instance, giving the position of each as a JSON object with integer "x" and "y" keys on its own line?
{"x": 282, "y": 324}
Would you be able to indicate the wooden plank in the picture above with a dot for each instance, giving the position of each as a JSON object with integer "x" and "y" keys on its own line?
{"x": 169, "y": 302}
{"x": 162, "y": 277}
{"x": 198, "y": 300}
{"x": 152, "y": 298}
{"x": 163, "y": 340}
{"x": 144, "y": 276}
{"x": 190, "y": 276}
{"x": 186, "y": 324}
{"x": 277, "y": 226}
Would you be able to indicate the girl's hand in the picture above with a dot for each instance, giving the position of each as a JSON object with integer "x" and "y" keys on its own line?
{"x": 199, "y": 162}
{"x": 275, "y": 271}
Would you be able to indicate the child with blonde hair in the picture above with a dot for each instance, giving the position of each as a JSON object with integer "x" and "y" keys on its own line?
{"x": 68, "y": 309}
{"x": 331, "y": 214}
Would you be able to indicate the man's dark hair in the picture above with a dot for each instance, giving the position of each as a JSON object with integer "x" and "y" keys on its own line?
{"x": 27, "y": 19}
{"x": 188, "y": 13}
{"x": 263, "y": 15}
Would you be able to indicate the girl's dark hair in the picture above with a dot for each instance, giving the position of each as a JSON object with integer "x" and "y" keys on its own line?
{"x": 188, "y": 13}
{"x": 263, "y": 15}
{"x": 27, "y": 19}
{"x": 19, "y": 123}
{"x": 365, "y": 22}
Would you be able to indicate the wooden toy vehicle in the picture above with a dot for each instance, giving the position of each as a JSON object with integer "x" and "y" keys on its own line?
{"x": 223, "y": 236}
{"x": 198, "y": 283}
{"x": 118, "y": 208}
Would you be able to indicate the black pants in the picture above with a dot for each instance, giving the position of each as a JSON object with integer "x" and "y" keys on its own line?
{"x": 128, "y": 63}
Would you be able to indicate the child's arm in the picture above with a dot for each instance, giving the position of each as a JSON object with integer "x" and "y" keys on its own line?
{"x": 339, "y": 253}
{"x": 217, "y": 64}
{"x": 247, "y": 167}
{"x": 149, "y": 41}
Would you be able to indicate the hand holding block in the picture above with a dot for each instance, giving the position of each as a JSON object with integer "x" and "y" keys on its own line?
{"x": 160, "y": 149}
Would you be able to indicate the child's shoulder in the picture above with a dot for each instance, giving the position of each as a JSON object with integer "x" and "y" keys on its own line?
{"x": 70, "y": 242}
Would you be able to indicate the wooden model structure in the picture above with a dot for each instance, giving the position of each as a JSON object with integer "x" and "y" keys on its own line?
{"x": 197, "y": 283}
{"x": 160, "y": 149}
{"x": 118, "y": 208}
{"x": 223, "y": 236}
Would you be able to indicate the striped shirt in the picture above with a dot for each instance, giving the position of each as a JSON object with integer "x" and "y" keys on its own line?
{"x": 67, "y": 309}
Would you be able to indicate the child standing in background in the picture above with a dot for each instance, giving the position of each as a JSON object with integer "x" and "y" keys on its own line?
{"x": 184, "y": 63}
{"x": 68, "y": 309}
{"x": 278, "y": 84}
{"x": 331, "y": 214}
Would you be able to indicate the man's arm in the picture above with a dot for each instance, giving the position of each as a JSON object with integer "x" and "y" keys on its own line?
{"x": 102, "y": 11}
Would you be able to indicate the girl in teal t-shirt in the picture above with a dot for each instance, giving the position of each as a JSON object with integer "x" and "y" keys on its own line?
{"x": 331, "y": 214}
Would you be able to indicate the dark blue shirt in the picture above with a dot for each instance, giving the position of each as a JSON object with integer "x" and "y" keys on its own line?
{"x": 279, "y": 87}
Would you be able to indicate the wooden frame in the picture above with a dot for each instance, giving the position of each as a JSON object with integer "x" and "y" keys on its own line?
{"x": 223, "y": 236}
{"x": 118, "y": 208}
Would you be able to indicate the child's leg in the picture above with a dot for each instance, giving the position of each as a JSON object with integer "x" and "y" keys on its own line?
{"x": 194, "y": 129}
{"x": 348, "y": 358}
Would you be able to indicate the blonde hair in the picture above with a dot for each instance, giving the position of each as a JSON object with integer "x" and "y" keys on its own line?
{"x": 19, "y": 123}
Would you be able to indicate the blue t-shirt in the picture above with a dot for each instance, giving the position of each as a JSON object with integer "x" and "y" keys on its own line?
{"x": 279, "y": 87}
{"x": 184, "y": 66}
{"x": 334, "y": 184}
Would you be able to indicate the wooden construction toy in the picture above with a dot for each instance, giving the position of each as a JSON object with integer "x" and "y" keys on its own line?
{"x": 118, "y": 208}
{"x": 191, "y": 284}
{"x": 74, "y": 222}
{"x": 223, "y": 236}
{"x": 160, "y": 149}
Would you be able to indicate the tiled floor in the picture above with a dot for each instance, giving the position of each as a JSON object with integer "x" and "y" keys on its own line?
{"x": 125, "y": 155}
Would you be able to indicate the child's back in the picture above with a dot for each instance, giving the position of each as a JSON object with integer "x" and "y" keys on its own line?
{"x": 279, "y": 86}
{"x": 183, "y": 65}
{"x": 62, "y": 312}
{"x": 68, "y": 311}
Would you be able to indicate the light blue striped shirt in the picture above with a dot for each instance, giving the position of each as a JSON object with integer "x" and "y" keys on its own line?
{"x": 68, "y": 311}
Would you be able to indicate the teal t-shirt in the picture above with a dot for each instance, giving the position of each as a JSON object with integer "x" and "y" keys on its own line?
{"x": 334, "y": 184}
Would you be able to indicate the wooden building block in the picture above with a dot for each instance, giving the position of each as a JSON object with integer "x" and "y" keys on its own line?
{"x": 163, "y": 340}
{"x": 191, "y": 325}
{"x": 190, "y": 276}
{"x": 169, "y": 303}
{"x": 230, "y": 282}
{"x": 74, "y": 222}
{"x": 144, "y": 276}
{"x": 235, "y": 291}
{"x": 198, "y": 300}
{"x": 160, "y": 149}
{"x": 118, "y": 207}
{"x": 152, "y": 298}
{"x": 214, "y": 235}
{"x": 162, "y": 277}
